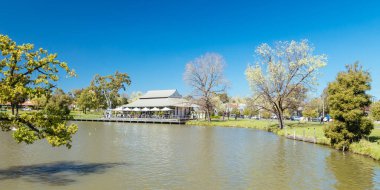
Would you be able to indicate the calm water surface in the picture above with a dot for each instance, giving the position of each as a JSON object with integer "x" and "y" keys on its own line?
{"x": 142, "y": 156}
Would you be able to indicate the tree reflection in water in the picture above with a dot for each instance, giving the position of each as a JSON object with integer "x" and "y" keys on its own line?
{"x": 56, "y": 173}
{"x": 351, "y": 171}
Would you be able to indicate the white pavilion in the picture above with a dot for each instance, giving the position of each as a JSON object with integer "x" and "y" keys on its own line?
{"x": 168, "y": 101}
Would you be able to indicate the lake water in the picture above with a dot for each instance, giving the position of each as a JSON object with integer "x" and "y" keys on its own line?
{"x": 144, "y": 156}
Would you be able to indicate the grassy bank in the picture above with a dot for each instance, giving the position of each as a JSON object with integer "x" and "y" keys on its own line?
{"x": 89, "y": 115}
{"x": 369, "y": 147}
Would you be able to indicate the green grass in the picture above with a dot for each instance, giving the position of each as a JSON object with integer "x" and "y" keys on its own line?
{"x": 369, "y": 147}
{"x": 89, "y": 115}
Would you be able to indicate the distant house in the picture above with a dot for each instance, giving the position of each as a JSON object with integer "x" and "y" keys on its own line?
{"x": 27, "y": 103}
{"x": 168, "y": 101}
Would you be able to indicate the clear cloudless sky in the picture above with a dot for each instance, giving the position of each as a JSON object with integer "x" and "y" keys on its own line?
{"x": 153, "y": 40}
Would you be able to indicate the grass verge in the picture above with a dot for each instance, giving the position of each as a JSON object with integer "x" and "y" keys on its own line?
{"x": 89, "y": 115}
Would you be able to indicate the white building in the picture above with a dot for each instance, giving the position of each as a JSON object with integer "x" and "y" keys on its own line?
{"x": 168, "y": 101}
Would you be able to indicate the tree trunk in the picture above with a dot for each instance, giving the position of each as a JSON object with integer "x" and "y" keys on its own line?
{"x": 280, "y": 119}
{"x": 16, "y": 109}
{"x": 13, "y": 109}
{"x": 208, "y": 115}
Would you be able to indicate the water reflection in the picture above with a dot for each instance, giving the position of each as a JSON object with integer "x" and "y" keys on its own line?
{"x": 351, "y": 171}
{"x": 57, "y": 173}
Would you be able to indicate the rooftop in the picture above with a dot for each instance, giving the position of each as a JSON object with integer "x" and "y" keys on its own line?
{"x": 153, "y": 94}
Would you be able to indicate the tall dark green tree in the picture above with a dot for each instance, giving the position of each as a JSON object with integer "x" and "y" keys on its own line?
{"x": 347, "y": 99}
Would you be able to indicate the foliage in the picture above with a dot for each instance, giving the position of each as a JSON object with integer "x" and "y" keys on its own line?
{"x": 223, "y": 97}
{"x": 283, "y": 74}
{"x": 365, "y": 147}
{"x": 28, "y": 73}
{"x": 235, "y": 111}
{"x": 251, "y": 109}
{"x": 205, "y": 75}
{"x": 347, "y": 101}
{"x": 87, "y": 100}
{"x": 59, "y": 103}
{"x": 135, "y": 96}
{"x": 40, "y": 101}
{"x": 311, "y": 108}
{"x": 218, "y": 105}
{"x": 122, "y": 100}
{"x": 109, "y": 86}
{"x": 375, "y": 111}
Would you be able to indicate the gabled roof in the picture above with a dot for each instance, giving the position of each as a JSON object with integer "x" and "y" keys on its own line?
{"x": 159, "y": 102}
{"x": 153, "y": 94}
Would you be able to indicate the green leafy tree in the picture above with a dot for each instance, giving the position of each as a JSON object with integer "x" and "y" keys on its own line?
{"x": 26, "y": 72}
{"x": 347, "y": 101}
{"x": 122, "y": 100}
{"x": 375, "y": 111}
{"x": 59, "y": 104}
{"x": 87, "y": 100}
{"x": 283, "y": 74}
{"x": 40, "y": 102}
{"x": 311, "y": 108}
{"x": 250, "y": 109}
{"x": 109, "y": 86}
{"x": 235, "y": 111}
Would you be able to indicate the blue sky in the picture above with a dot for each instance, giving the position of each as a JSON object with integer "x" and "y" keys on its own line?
{"x": 153, "y": 40}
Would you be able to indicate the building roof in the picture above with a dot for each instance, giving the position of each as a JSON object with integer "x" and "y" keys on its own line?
{"x": 159, "y": 102}
{"x": 160, "y": 98}
{"x": 161, "y": 94}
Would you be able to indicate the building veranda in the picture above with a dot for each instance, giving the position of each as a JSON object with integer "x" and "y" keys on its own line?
{"x": 157, "y": 104}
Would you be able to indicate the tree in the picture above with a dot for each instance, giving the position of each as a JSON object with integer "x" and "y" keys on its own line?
{"x": 224, "y": 97}
{"x": 122, "y": 100}
{"x": 87, "y": 100}
{"x": 283, "y": 74}
{"x": 40, "y": 102}
{"x": 375, "y": 111}
{"x": 236, "y": 112}
{"x": 135, "y": 96}
{"x": 311, "y": 108}
{"x": 250, "y": 109}
{"x": 28, "y": 73}
{"x": 109, "y": 86}
{"x": 347, "y": 101}
{"x": 59, "y": 103}
{"x": 205, "y": 75}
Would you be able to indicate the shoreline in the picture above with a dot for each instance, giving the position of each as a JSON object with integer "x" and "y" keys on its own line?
{"x": 363, "y": 147}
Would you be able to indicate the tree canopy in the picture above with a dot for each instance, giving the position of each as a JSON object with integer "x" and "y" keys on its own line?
{"x": 348, "y": 100}
{"x": 109, "y": 86}
{"x": 283, "y": 74}
{"x": 26, "y": 73}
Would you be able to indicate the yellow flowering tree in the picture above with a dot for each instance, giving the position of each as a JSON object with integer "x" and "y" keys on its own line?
{"x": 27, "y": 73}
